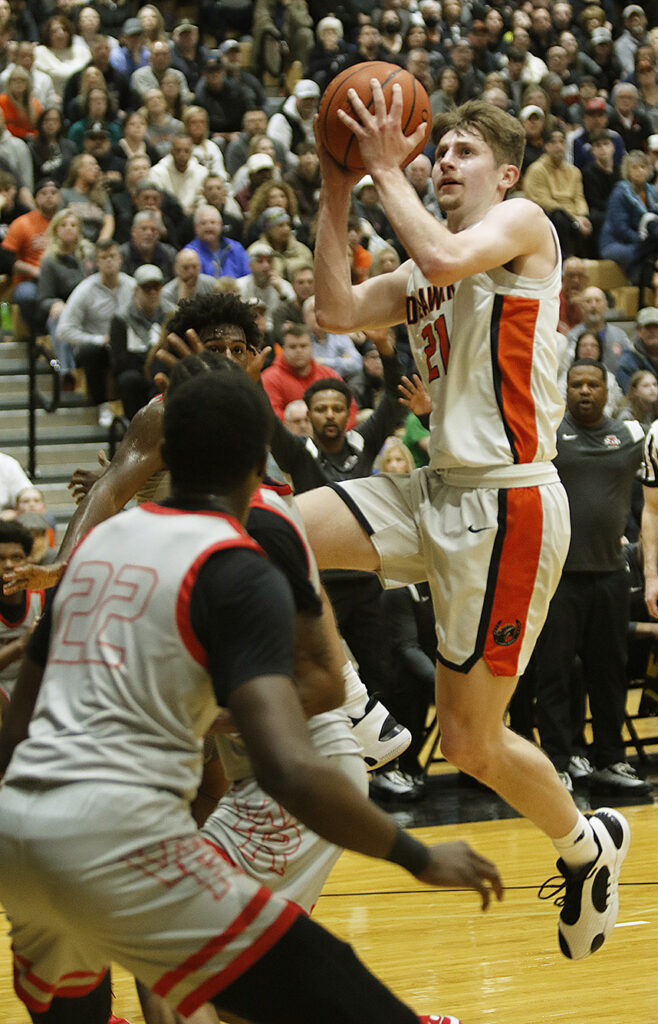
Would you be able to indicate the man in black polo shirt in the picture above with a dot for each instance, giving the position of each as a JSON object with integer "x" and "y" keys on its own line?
{"x": 597, "y": 459}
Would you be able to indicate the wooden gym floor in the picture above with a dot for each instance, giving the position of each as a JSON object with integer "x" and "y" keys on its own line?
{"x": 441, "y": 954}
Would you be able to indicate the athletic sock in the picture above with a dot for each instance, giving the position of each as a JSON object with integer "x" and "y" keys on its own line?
{"x": 356, "y": 695}
{"x": 579, "y": 846}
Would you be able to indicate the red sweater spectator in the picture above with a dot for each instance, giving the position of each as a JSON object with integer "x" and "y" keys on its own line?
{"x": 294, "y": 370}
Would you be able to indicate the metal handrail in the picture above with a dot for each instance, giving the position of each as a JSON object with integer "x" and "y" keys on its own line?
{"x": 37, "y": 400}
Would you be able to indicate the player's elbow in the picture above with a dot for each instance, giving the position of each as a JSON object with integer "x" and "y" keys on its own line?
{"x": 440, "y": 267}
{"x": 284, "y": 779}
{"x": 330, "y": 320}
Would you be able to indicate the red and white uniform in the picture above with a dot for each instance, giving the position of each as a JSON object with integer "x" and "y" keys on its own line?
{"x": 101, "y": 858}
{"x": 9, "y": 631}
{"x": 255, "y": 831}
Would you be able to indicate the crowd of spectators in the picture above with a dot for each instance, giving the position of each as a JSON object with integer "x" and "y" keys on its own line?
{"x": 151, "y": 154}
{"x": 185, "y": 137}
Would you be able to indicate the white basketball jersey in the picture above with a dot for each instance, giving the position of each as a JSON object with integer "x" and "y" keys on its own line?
{"x": 330, "y": 732}
{"x": 486, "y": 349}
{"x": 126, "y": 695}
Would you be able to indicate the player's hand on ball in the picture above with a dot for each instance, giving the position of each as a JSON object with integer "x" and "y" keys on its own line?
{"x": 458, "y": 864}
{"x": 333, "y": 174}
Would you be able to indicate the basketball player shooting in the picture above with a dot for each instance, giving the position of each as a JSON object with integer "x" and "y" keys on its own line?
{"x": 487, "y": 523}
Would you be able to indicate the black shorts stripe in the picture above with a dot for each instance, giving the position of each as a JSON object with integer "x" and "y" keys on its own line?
{"x": 353, "y": 507}
{"x": 497, "y": 312}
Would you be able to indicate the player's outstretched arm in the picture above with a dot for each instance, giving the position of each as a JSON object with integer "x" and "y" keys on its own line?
{"x": 269, "y": 717}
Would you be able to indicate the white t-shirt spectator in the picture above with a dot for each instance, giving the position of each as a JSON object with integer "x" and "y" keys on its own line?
{"x": 13, "y": 480}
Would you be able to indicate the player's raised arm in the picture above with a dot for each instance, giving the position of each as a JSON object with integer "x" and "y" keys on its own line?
{"x": 481, "y": 234}
{"x": 339, "y": 305}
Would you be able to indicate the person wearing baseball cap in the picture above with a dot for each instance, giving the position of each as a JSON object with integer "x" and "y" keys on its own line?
{"x": 599, "y": 178}
{"x": 601, "y": 51}
{"x": 249, "y": 91}
{"x": 224, "y": 94}
{"x": 134, "y": 332}
{"x": 263, "y": 283}
{"x": 293, "y": 124}
{"x": 288, "y": 251}
{"x": 644, "y": 354}
{"x": 26, "y": 239}
{"x": 188, "y": 53}
{"x": 133, "y": 53}
{"x": 595, "y": 118}
{"x": 634, "y": 35}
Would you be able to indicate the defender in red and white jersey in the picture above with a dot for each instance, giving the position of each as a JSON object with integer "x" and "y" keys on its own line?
{"x": 165, "y": 614}
{"x": 487, "y": 523}
{"x": 18, "y": 612}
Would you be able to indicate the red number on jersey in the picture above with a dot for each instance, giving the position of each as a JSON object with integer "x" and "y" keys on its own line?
{"x": 97, "y": 601}
{"x": 432, "y": 332}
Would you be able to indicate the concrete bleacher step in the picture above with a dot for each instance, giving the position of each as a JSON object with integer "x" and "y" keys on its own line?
{"x": 80, "y": 421}
{"x": 58, "y": 461}
{"x": 67, "y": 439}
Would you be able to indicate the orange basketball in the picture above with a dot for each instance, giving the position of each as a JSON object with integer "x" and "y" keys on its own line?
{"x": 339, "y": 140}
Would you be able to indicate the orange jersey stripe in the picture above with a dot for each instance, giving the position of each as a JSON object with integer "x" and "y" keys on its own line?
{"x": 513, "y": 358}
{"x": 517, "y": 571}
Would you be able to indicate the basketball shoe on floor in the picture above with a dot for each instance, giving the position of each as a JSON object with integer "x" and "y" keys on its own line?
{"x": 381, "y": 737}
{"x": 437, "y": 1018}
{"x": 590, "y": 901}
{"x": 620, "y": 777}
{"x": 580, "y": 768}
{"x": 396, "y": 785}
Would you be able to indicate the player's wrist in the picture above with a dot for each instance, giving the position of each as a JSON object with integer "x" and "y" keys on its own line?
{"x": 409, "y": 853}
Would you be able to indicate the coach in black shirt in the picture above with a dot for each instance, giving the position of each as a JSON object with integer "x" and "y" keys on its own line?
{"x": 597, "y": 459}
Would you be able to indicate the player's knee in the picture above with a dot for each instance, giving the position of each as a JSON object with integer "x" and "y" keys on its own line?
{"x": 464, "y": 749}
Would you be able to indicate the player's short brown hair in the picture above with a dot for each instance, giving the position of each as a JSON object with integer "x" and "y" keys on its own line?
{"x": 503, "y": 134}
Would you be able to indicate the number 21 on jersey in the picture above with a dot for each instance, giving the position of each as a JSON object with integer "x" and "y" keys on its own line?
{"x": 436, "y": 339}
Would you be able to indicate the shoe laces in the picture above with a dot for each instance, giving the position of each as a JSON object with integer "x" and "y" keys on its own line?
{"x": 625, "y": 769}
{"x": 554, "y": 888}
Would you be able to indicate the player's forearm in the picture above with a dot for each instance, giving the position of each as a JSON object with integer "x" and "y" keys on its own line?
{"x": 100, "y": 504}
{"x": 334, "y": 301}
{"x": 426, "y": 240}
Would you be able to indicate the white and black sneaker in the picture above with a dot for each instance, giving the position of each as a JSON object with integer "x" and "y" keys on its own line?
{"x": 580, "y": 768}
{"x": 395, "y": 785}
{"x": 620, "y": 777}
{"x": 588, "y": 895}
{"x": 381, "y": 737}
